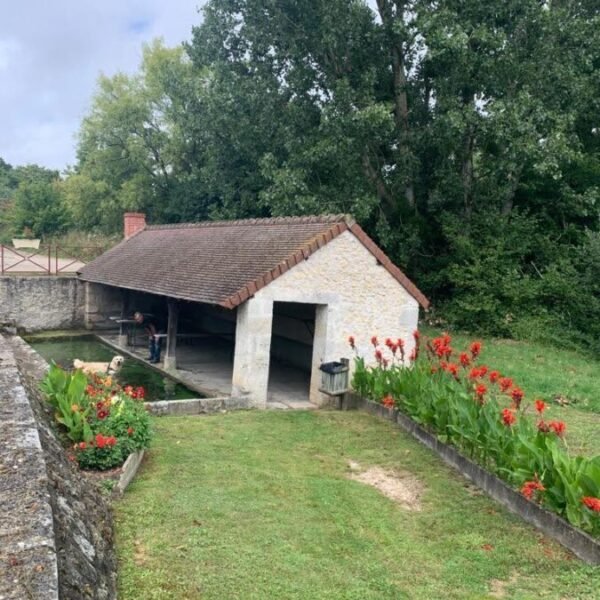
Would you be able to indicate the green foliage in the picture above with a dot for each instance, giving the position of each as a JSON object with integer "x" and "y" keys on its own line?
{"x": 466, "y": 408}
{"x": 39, "y": 207}
{"x": 66, "y": 394}
{"x": 107, "y": 423}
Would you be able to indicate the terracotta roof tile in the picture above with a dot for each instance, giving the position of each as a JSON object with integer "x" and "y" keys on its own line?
{"x": 224, "y": 262}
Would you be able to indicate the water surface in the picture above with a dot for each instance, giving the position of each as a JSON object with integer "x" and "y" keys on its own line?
{"x": 63, "y": 350}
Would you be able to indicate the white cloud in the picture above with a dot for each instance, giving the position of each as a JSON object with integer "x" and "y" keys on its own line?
{"x": 51, "y": 54}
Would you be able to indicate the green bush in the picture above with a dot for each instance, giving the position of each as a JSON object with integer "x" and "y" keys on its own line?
{"x": 105, "y": 421}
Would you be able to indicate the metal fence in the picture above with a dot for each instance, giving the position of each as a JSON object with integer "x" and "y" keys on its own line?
{"x": 50, "y": 260}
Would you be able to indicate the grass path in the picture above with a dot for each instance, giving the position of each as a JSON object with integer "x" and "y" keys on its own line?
{"x": 258, "y": 505}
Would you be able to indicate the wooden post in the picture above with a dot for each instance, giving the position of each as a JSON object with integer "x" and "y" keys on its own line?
{"x": 122, "y": 328}
{"x": 170, "y": 359}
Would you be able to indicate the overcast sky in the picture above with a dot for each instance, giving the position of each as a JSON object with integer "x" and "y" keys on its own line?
{"x": 51, "y": 52}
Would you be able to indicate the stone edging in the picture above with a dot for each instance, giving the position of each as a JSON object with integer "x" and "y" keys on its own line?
{"x": 579, "y": 542}
{"x": 197, "y": 406}
{"x": 129, "y": 469}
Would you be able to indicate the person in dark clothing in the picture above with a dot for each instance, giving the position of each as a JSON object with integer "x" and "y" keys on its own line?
{"x": 153, "y": 326}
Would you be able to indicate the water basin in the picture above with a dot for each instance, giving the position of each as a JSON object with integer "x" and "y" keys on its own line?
{"x": 63, "y": 350}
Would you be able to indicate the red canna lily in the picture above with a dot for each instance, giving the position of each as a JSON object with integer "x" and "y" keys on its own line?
{"x": 530, "y": 487}
{"x": 508, "y": 417}
{"x": 558, "y": 427}
{"x": 592, "y": 503}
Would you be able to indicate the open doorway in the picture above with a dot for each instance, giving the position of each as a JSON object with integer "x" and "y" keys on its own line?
{"x": 291, "y": 357}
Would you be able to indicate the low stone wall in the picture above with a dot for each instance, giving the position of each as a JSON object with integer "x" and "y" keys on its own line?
{"x": 35, "y": 303}
{"x": 580, "y": 543}
{"x": 198, "y": 406}
{"x": 57, "y": 541}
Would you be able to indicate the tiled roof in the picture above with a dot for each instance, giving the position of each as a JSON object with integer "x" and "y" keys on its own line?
{"x": 224, "y": 262}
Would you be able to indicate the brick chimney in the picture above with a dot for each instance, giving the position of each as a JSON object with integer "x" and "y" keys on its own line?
{"x": 132, "y": 223}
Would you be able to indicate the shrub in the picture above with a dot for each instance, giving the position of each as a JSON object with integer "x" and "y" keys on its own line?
{"x": 105, "y": 421}
{"x": 483, "y": 413}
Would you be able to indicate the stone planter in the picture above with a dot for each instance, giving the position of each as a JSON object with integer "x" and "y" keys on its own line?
{"x": 579, "y": 542}
{"x": 19, "y": 243}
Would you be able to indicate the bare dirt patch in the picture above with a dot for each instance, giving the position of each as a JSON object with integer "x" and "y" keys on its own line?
{"x": 498, "y": 586}
{"x": 399, "y": 486}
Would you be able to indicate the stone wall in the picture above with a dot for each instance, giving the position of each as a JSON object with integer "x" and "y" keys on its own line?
{"x": 354, "y": 294}
{"x": 35, "y": 303}
{"x": 101, "y": 303}
{"x": 57, "y": 538}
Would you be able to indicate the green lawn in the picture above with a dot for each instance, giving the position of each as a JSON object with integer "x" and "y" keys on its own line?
{"x": 258, "y": 505}
{"x": 548, "y": 373}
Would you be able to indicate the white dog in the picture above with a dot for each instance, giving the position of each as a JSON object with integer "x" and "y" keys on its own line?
{"x": 100, "y": 367}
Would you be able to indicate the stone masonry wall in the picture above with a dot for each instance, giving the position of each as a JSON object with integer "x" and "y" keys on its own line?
{"x": 354, "y": 296}
{"x": 35, "y": 303}
{"x": 101, "y": 303}
{"x": 56, "y": 532}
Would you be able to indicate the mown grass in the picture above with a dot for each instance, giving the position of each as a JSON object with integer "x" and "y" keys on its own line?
{"x": 551, "y": 374}
{"x": 258, "y": 505}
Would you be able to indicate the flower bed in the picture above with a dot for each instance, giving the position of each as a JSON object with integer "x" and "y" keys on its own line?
{"x": 484, "y": 414}
{"x": 103, "y": 421}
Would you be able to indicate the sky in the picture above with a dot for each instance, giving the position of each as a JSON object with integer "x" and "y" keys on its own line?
{"x": 51, "y": 53}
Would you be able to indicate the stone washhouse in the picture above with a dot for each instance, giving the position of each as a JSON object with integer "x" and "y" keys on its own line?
{"x": 271, "y": 296}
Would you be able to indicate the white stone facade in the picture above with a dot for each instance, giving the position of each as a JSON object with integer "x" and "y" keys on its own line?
{"x": 354, "y": 296}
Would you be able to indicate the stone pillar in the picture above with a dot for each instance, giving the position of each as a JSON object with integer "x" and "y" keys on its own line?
{"x": 253, "y": 350}
{"x": 170, "y": 362}
{"x": 320, "y": 354}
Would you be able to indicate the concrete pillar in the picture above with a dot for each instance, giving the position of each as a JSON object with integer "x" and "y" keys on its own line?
{"x": 253, "y": 350}
{"x": 320, "y": 354}
{"x": 170, "y": 362}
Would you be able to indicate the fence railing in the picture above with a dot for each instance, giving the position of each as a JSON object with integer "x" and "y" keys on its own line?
{"x": 48, "y": 260}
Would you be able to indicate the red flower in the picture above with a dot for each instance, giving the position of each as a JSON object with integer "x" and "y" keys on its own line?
{"x": 558, "y": 427}
{"x": 465, "y": 361}
{"x": 102, "y": 414}
{"x": 378, "y": 356}
{"x": 385, "y": 362}
{"x": 416, "y": 335}
{"x": 100, "y": 440}
{"x": 517, "y": 395}
{"x": 508, "y": 417}
{"x": 374, "y": 341}
{"x": 506, "y": 383}
{"x": 452, "y": 368}
{"x": 529, "y": 487}
{"x": 494, "y": 376}
{"x": 82, "y": 445}
{"x": 351, "y": 342}
{"x": 388, "y": 342}
{"x": 483, "y": 371}
{"x": 413, "y": 355}
{"x": 481, "y": 389}
{"x": 400, "y": 346}
{"x": 543, "y": 427}
{"x": 130, "y": 431}
{"x": 99, "y": 405}
{"x": 540, "y": 406}
{"x": 388, "y": 401}
{"x": 592, "y": 503}
{"x": 475, "y": 349}
{"x": 474, "y": 373}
